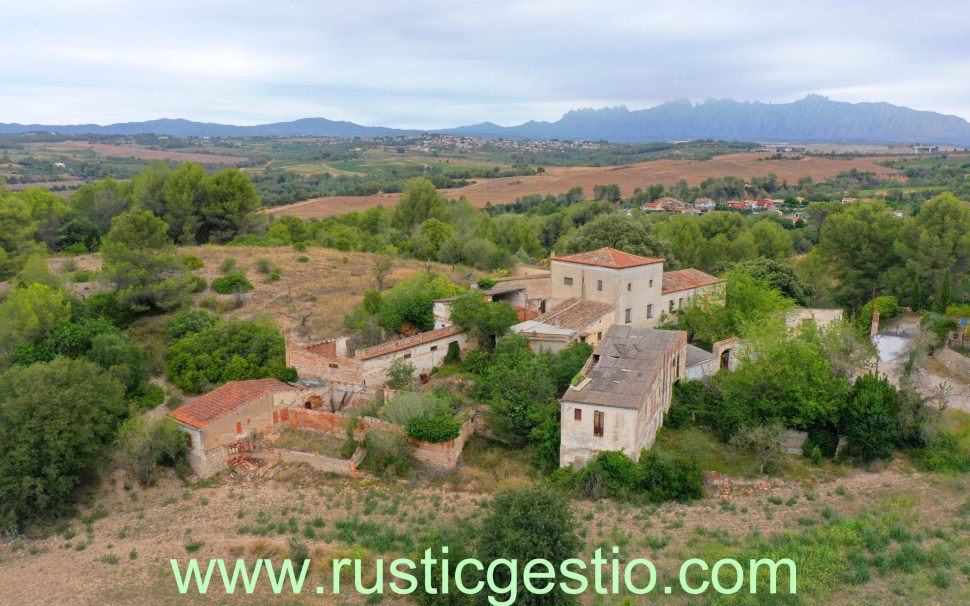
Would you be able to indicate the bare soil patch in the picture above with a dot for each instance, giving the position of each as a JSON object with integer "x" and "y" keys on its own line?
{"x": 558, "y": 180}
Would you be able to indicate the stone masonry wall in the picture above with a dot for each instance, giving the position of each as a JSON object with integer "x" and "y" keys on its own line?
{"x": 954, "y": 362}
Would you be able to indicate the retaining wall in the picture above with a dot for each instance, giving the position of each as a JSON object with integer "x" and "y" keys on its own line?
{"x": 954, "y": 362}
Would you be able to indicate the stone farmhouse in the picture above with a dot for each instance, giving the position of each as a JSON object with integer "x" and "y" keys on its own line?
{"x": 224, "y": 420}
{"x": 624, "y": 391}
{"x": 590, "y": 291}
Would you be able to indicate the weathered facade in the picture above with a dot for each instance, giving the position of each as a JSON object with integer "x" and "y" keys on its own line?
{"x": 229, "y": 416}
{"x": 634, "y": 290}
{"x": 336, "y": 362}
{"x": 624, "y": 392}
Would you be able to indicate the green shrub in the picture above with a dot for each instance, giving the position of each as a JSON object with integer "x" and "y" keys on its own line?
{"x": 78, "y": 248}
{"x": 387, "y": 452}
{"x": 400, "y": 374}
{"x": 486, "y": 282}
{"x": 84, "y": 275}
{"x": 887, "y": 305}
{"x": 191, "y": 262}
{"x": 264, "y": 266}
{"x": 943, "y": 453}
{"x": 228, "y": 265}
{"x": 825, "y": 438}
{"x": 189, "y": 321}
{"x": 152, "y": 395}
{"x": 476, "y": 361}
{"x": 196, "y": 284}
{"x": 869, "y": 419}
{"x": 405, "y": 407}
{"x": 143, "y": 446}
{"x": 231, "y": 350}
{"x": 454, "y": 353}
{"x": 656, "y": 478}
{"x": 303, "y": 259}
{"x": 233, "y": 282}
{"x": 434, "y": 428}
{"x": 110, "y": 306}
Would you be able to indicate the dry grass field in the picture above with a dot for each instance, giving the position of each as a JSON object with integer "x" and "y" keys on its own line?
{"x": 558, "y": 180}
{"x": 322, "y": 290}
{"x": 135, "y": 151}
{"x": 120, "y": 555}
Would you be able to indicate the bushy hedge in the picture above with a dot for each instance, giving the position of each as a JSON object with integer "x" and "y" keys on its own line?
{"x": 234, "y": 282}
{"x": 434, "y": 428}
{"x": 655, "y": 477}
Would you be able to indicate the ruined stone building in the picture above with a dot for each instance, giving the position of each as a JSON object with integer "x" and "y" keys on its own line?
{"x": 622, "y": 393}
{"x": 336, "y": 362}
{"x": 229, "y": 416}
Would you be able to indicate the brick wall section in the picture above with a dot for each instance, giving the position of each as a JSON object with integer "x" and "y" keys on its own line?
{"x": 444, "y": 455}
{"x": 954, "y": 362}
{"x": 332, "y": 423}
{"x": 318, "y": 366}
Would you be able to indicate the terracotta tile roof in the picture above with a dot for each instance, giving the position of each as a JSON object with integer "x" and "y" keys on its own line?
{"x": 224, "y": 399}
{"x": 622, "y": 371}
{"x": 607, "y": 257}
{"x": 685, "y": 279}
{"x": 575, "y": 314}
{"x": 398, "y": 344}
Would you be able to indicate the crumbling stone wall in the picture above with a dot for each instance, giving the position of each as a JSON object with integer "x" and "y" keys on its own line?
{"x": 444, "y": 455}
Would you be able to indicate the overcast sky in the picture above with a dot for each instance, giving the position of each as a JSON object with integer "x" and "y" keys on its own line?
{"x": 434, "y": 64}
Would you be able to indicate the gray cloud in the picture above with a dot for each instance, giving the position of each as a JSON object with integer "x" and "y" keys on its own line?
{"x": 434, "y": 63}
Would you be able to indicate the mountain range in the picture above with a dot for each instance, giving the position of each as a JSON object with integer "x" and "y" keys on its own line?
{"x": 812, "y": 119}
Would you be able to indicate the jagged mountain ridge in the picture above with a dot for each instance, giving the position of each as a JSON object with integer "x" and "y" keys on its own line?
{"x": 814, "y": 118}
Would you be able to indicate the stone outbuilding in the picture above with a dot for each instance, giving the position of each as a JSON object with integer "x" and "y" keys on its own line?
{"x": 622, "y": 393}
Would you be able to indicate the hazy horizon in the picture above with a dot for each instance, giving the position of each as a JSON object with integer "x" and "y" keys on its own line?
{"x": 432, "y": 65}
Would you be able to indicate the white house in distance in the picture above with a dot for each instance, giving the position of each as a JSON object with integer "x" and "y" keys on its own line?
{"x": 625, "y": 389}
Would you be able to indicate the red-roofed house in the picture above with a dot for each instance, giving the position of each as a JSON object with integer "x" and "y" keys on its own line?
{"x": 232, "y": 414}
{"x": 665, "y": 204}
{"x": 764, "y": 204}
{"x": 635, "y": 287}
{"x": 679, "y": 287}
{"x": 737, "y": 204}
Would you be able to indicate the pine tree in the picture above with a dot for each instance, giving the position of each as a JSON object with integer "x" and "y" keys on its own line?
{"x": 916, "y": 294}
{"x": 944, "y": 299}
